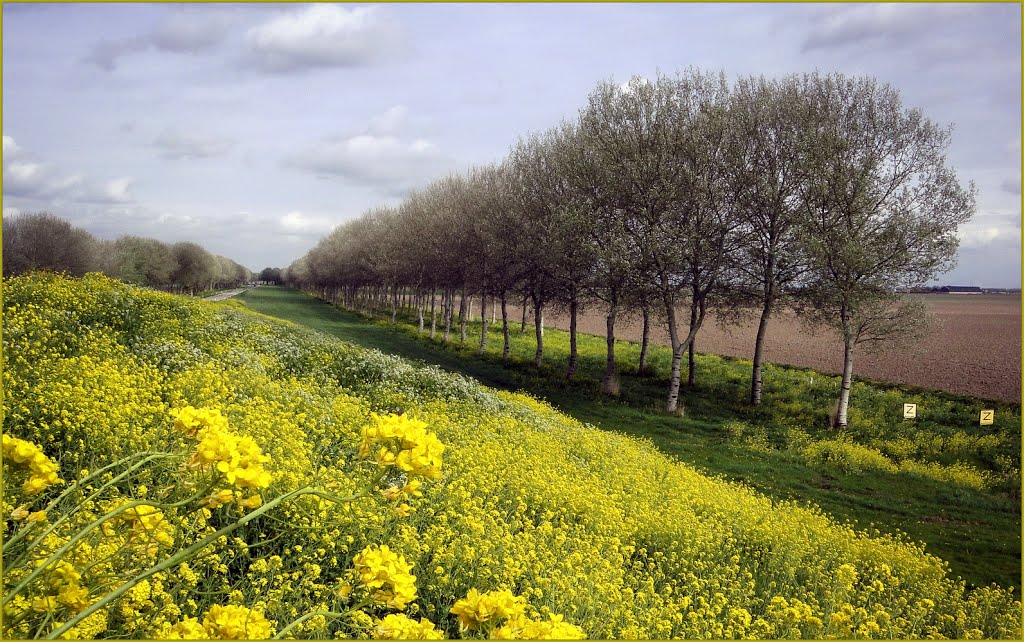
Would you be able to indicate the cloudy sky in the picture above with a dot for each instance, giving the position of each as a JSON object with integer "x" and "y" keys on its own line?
{"x": 254, "y": 129}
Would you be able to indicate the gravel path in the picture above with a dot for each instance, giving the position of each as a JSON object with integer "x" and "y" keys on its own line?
{"x": 224, "y": 295}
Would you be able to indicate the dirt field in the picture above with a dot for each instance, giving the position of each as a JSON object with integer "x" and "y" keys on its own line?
{"x": 975, "y": 350}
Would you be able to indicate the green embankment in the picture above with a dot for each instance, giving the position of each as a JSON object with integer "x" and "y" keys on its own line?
{"x": 176, "y": 468}
{"x": 783, "y": 448}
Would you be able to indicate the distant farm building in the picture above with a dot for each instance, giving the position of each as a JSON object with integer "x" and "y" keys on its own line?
{"x": 960, "y": 289}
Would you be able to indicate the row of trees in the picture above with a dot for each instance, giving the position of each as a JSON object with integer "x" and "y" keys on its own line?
{"x": 46, "y": 242}
{"x": 673, "y": 196}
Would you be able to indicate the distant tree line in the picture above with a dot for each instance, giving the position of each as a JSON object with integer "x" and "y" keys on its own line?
{"x": 270, "y": 275}
{"x": 46, "y": 242}
{"x": 668, "y": 198}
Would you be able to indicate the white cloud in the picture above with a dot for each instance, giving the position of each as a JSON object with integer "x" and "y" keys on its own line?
{"x": 321, "y": 35}
{"x": 181, "y": 145}
{"x": 31, "y": 179}
{"x": 117, "y": 190}
{"x": 28, "y": 178}
{"x": 390, "y": 121}
{"x": 627, "y": 86}
{"x": 296, "y": 222}
{"x": 976, "y": 236}
{"x": 1011, "y": 185}
{"x": 10, "y": 147}
{"x": 21, "y": 172}
{"x": 380, "y": 160}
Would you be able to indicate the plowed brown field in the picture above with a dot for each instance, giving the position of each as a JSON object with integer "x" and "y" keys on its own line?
{"x": 975, "y": 350}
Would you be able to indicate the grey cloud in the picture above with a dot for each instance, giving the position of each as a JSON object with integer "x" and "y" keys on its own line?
{"x": 27, "y": 178}
{"x": 106, "y": 52}
{"x": 187, "y": 32}
{"x": 174, "y": 144}
{"x": 389, "y": 163}
{"x": 321, "y": 36}
{"x": 113, "y": 192}
{"x": 1011, "y": 185}
{"x": 839, "y": 26}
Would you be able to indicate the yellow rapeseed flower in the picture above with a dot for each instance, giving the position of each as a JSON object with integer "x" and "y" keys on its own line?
{"x": 479, "y": 609}
{"x": 398, "y": 626}
{"x": 386, "y": 575}
{"x": 397, "y": 440}
{"x": 232, "y": 622}
{"x": 42, "y": 471}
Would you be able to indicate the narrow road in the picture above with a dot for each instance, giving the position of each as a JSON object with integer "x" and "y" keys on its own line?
{"x": 224, "y": 295}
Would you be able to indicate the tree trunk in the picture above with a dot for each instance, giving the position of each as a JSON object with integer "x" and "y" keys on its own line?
{"x": 449, "y": 304}
{"x": 421, "y": 303}
{"x": 677, "y": 357}
{"x": 394, "y": 304}
{"x": 645, "y": 340}
{"x": 608, "y": 384}
{"x": 762, "y": 331}
{"x": 433, "y": 314}
{"x": 573, "y": 309}
{"x": 493, "y": 311}
{"x": 691, "y": 377}
{"x": 691, "y": 374}
{"x": 844, "y": 390}
{"x": 504, "y": 326}
{"x": 462, "y": 316}
{"x": 538, "y": 326}
{"x": 483, "y": 323}
{"x": 522, "y": 326}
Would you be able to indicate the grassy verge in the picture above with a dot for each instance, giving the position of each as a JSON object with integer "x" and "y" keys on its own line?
{"x": 977, "y": 530}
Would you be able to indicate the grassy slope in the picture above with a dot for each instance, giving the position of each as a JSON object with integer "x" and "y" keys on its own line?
{"x": 977, "y": 533}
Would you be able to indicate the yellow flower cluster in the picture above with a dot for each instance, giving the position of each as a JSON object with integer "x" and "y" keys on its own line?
{"x": 521, "y": 628}
{"x": 65, "y": 581}
{"x": 230, "y": 622}
{"x": 481, "y": 610}
{"x": 149, "y": 526}
{"x": 191, "y": 420}
{"x": 238, "y": 459}
{"x": 386, "y": 575}
{"x": 42, "y": 473}
{"x": 398, "y": 626}
{"x": 402, "y": 442}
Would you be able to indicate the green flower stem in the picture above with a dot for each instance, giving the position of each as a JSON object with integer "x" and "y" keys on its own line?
{"x": 56, "y": 556}
{"x": 24, "y": 531}
{"x": 186, "y": 553}
{"x": 335, "y": 614}
{"x": 10, "y": 624}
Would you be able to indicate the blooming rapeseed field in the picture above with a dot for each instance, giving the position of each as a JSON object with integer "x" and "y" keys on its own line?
{"x": 180, "y": 469}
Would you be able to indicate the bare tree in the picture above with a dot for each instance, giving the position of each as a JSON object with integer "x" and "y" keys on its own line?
{"x": 882, "y": 212}
{"x": 43, "y": 241}
{"x": 573, "y": 215}
{"x": 530, "y": 165}
{"x": 192, "y": 267}
{"x": 660, "y": 146}
{"x": 766, "y": 121}
{"x": 142, "y": 261}
{"x": 632, "y": 142}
